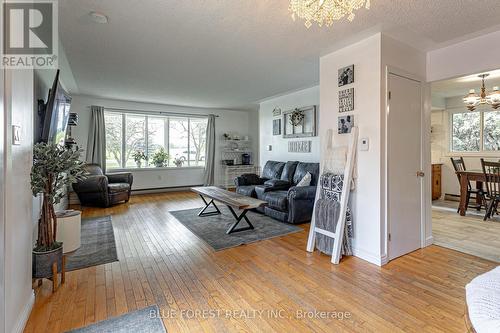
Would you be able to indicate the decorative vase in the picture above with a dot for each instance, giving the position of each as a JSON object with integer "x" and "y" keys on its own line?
{"x": 42, "y": 262}
{"x": 138, "y": 163}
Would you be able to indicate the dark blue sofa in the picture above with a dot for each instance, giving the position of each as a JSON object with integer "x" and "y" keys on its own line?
{"x": 277, "y": 186}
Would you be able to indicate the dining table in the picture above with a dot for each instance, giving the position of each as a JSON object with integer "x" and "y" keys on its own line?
{"x": 466, "y": 177}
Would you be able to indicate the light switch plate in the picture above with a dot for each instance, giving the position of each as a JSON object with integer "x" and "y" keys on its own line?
{"x": 16, "y": 135}
{"x": 365, "y": 144}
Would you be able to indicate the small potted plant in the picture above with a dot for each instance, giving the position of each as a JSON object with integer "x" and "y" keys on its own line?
{"x": 179, "y": 161}
{"x": 160, "y": 158}
{"x": 138, "y": 157}
{"x": 54, "y": 168}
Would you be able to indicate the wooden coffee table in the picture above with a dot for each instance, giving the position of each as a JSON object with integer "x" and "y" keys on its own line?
{"x": 232, "y": 200}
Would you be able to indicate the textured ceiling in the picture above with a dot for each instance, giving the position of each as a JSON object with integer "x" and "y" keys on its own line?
{"x": 233, "y": 53}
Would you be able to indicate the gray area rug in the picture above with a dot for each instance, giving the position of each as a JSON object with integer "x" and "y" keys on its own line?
{"x": 212, "y": 229}
{"x": 98, "y": 245}
{"x": 146, "y": 320}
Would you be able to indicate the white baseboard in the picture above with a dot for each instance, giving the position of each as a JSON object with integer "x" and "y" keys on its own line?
{"x": 429, "y": 241}
{"x": 25, "y": 314}
{"x": 370, "y": 257}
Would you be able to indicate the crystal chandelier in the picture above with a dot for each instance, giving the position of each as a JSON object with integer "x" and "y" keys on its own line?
{"x": 324, "y": 12}
{"x": 472, "y": 100}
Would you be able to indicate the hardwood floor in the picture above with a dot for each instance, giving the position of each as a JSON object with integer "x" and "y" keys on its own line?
{"x": 163, "y": 263}
{"x": 468, "y": 234}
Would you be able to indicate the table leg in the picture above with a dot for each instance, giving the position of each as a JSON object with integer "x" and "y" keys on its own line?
{"x": 479, "y": 198}
{"x": 464, "y": 183}
{"x": 202, "y": 212}
{"x": 238, "y": 220}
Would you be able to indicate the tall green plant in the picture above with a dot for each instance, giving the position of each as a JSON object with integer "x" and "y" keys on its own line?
{"x": 54, "y": 168}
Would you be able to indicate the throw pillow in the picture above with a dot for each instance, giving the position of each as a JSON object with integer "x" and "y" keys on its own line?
{"x": 306, "y": 180}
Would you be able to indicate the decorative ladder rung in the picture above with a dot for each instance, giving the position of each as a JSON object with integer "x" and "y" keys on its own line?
{"x": 325, "y": 232}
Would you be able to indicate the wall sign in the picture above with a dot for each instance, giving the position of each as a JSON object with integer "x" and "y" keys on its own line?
{"x": 346, "y": 100}
{"x": 276, "y": 112}
{"x": 299, "y": 146}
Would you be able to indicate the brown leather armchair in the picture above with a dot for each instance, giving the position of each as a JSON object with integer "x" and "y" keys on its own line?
{"x": 98, "y": 189}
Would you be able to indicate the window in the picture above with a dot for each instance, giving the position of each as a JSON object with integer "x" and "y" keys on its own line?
{"x": 477, "y": 131}
{"x": 183, "y": 139}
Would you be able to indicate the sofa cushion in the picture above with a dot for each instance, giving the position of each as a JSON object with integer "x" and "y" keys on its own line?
{"x": 118, "y": 187}
{"x": 272, "y": 170}
{"x": 248, "y": 190}
{"x": 303, "y": 169}
{"x": 305, "y": 181}
{"x": 289, "y": 170}
{"x": 276, "y": 200}
{"x": 483, "y": 301}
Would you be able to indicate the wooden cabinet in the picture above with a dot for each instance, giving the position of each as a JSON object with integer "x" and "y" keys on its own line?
{"x": 436, "y": 181}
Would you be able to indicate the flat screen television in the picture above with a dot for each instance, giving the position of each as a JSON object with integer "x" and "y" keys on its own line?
{"x": 56, "y": 115}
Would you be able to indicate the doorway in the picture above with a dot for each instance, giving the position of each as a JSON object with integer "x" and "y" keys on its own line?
{"x": 462, "y": 135}
{"x": 404, "y": 165}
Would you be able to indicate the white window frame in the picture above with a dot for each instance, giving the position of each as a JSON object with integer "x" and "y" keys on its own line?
{"x": 481, "y": 151}
{"x": 166, "y": 137}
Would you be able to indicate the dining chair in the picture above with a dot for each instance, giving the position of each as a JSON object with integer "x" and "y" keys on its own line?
{"x": 459, "y": 165}
{"x": 492, "y": 174}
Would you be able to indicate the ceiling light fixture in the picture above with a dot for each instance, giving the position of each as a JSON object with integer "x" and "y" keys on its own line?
{"x": 98, "y": 17}
{"x": 324, "y": 12}
{"x": 472, "y": 100}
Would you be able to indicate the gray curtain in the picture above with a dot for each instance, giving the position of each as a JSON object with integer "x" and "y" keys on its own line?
{"x": 209, "y": 178}
{"x": 96, "y": 144}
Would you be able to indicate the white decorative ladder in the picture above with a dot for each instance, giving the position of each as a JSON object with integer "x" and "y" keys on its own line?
{"x": 346, "y": 189}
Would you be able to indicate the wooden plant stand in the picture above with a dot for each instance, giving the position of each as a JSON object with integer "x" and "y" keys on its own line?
{"x": 55, "y": 277}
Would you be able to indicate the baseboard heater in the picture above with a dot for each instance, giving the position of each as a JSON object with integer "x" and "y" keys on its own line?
{"x": 163, "y": 189}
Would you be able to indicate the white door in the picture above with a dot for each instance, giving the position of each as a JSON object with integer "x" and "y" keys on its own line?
{"x": 404, "y": 159}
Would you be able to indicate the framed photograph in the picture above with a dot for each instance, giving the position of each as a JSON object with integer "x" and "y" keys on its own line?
{"x": 345, "y": 124}
{"x": 346, "y": 75}
{"x": 276, "y": 126}
{"x": 346, "y": 100}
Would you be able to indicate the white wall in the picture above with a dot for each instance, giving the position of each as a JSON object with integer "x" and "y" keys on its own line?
{"x": 241, "y": 122}
{"x": 18, "y": 203}
{"x": 306, "y": 97}
{"x": 366, "y": 199}
{"x": 370, "y": 57}
{"x": 472, "y": 56}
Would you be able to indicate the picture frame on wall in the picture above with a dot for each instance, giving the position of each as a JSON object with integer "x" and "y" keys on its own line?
{"x": 345, "y": 124}
{"x": 307, "y": 127}
{"x": 346, "y": 75}
{"x": 346, "y": 100}
{"x": 277, "y": 126}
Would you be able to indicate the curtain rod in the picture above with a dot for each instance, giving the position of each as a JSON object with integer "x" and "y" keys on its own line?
{"x": 159, "y": 112}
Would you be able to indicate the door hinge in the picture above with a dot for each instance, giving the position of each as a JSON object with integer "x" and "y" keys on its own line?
{"x": 390, "y": 95}
{"x": 389, "y": 237}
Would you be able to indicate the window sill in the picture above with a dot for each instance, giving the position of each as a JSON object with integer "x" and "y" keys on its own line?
{"x": 473, "y": 154}
{"x": 155, "y": 169}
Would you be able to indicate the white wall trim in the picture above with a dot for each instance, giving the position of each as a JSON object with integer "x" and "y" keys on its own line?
{"x": 25, "y": 314}
{"x": 368, "y": 256}
{"x": 429, "y": 240}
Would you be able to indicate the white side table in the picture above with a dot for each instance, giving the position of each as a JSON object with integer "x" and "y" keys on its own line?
{"x": 68, "y": 229}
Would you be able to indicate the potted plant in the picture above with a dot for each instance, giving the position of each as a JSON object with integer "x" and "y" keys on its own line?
{"x": 138, "y": 157}
{"x": 178, "y": 161}
{"x": 160, "y": 158}
{"x": 54, "y": 168}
